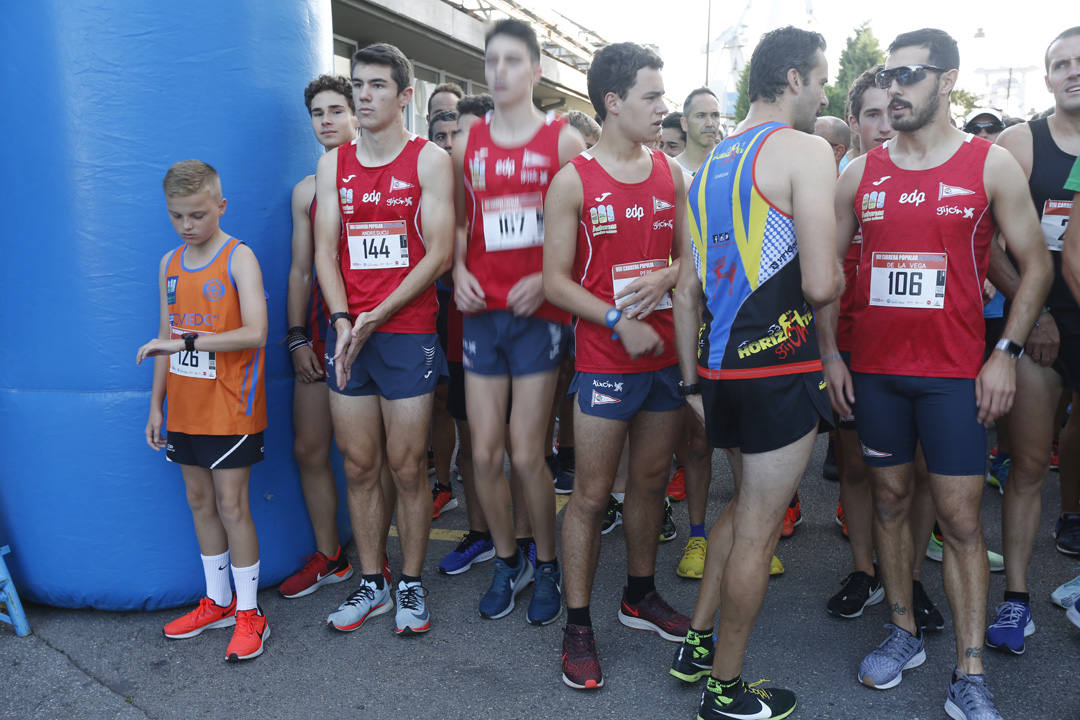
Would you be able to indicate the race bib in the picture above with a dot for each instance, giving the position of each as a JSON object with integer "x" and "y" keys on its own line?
{"x": 513, "y": 222}
{"x": 194, "y": 364}
{"x": 623, "y": 275}
{"x": 912, "y": 280}
{"x": 378, "y": 245}
{"x": 1055, "y": 218}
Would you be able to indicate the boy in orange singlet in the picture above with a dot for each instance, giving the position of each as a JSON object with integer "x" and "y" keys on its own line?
{"x": 208, "y": 358}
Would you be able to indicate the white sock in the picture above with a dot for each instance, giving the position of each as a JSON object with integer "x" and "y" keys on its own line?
{"x": 618, "y": 496}
{"x": 216, "y": 570}
{"x": 246, "y": 580}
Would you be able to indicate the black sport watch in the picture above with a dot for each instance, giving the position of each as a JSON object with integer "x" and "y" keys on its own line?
{"x": 189, "y": 341}
{"x": 1010, "y": 348}
{"x": 688, "y": 390}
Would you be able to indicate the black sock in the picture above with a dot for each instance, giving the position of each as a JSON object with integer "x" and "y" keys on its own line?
{"x": 727, "y": 687}
{"x": 377, "y": 579}
{"x": 638, "y": 587}
{"x": 566, "y": 453}
{"x": 524, "y": 544}
{"x": 439, "y": 486}
{"x": 702, "y": 633}
{"x": 1021, "y": 596}
{"x": 480, "y": 534}
{"x": 578, "y": 616}
{"x": 512, "y": 561}
{"x": 408, "y": 578}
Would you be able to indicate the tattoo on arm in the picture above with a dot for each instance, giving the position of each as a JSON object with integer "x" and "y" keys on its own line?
{"x": 973, "y": 652}
{"x": 899, "y": 609}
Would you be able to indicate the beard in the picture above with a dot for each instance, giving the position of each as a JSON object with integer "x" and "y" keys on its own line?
{"x": 917, "y": 119}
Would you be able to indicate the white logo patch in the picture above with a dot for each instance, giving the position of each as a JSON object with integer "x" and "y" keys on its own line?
{"x": 948, "y": 191}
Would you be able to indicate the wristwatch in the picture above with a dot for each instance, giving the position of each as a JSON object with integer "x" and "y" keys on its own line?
{"x": 189, "y": 341}
{"x": 1010, "y": 348}
{"x": 611, "y": 319}
{"x": 688, "y": 390}
{"x": 339, "y": 316}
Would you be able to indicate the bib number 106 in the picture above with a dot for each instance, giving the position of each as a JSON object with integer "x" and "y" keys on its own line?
{"x": 905, "y": 282}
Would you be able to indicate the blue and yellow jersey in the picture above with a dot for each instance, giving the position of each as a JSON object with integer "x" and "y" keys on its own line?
{"x": 756, "y": 322}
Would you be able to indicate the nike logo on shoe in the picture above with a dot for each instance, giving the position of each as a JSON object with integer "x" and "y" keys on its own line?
{"x": 761, "y": 714}
{"x": 630, "y": 611}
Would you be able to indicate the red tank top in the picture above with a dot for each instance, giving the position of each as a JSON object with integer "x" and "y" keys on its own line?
{"x": 505, "y": 191}
{"x": 211, "y": 393}
{"x": 845, "y": 323}
{"x": 626, "y": 231}
{"x": 380, "y": 235}
{"x": 925, "y": 253}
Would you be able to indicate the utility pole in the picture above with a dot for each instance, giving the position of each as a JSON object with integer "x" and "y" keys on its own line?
{"x": 708, "y": 38}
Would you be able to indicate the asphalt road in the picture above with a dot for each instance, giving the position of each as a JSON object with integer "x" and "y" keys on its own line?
{"x": 90, "y": 664}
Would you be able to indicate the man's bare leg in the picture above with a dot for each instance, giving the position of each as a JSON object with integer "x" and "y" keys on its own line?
{"x": 486, "y": 398}
{"x": 527, "y": 461}
{"x": 407, "y": 422}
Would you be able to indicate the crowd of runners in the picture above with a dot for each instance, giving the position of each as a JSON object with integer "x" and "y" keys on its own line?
{"x": 543, "y": 304}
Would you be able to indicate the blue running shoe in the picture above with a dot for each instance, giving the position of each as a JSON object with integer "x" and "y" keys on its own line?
{"x": 1012, "y": 625}
{"x": 474, "y": 547}
{"x": 998, "y": 472}
{"x": 1073, "y": 613}
{"x": 546, "y": 604}
{"x": 901, "y": 651}
{"x": 506, "y": 583}
{"x": 969, "y": 698}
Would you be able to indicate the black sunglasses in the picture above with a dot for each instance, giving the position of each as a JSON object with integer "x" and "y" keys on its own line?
{"x": 904, "y": 75}
{"x": 987, "y": 126}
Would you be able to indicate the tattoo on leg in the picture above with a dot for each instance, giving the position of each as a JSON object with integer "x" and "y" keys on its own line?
{"x": 899, "y": 609}
{"x": 973, "y": 652}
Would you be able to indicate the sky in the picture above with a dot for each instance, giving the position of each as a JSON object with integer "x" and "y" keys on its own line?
{"x": 679, "y": 28}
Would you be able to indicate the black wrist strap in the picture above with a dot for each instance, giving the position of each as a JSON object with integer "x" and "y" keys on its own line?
{"x": 340, "y": 316}
{"x": 189, "y": 342}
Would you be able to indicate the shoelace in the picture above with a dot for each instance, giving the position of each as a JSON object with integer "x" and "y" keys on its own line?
{"x": 410, "y": 596}
{"x": 580, "y": 643}
{"x": 759, "y": 691}
{"x": 470, "y": 539}
{"x": 860, "y": 582}
{"x": 365, "y": 593}
{"x": 695, "y": 548}
{"x": 1014, "y": 614}
{"x": 899, "y": 643}
{"x": 310, "y": 561}
{"x": 975, "y": 695}
{"x": 245, "y": 623}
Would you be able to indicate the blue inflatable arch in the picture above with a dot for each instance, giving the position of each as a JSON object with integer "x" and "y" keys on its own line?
{"x": 100, "y": 99}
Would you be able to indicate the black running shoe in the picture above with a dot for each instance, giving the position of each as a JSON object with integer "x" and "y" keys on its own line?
{"x": 694, "y": 658}
{"x": 1067, "y": 534}
{"x": 580, "y": 665}
{"x": 926, "y": 613}
{"x": 746, "y": 701}
{"x": 612, "y": 516}
{"x": 667, "y": 529}
{"x": 859, "y": 592}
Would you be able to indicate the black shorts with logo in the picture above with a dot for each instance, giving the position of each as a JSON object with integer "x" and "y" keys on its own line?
{"x": 763, "y": 414}
{"x": 214, "y": 452}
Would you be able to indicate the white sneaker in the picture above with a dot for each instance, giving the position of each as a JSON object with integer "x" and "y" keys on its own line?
{"x": 1066, "y": 595}
{"x": 412, "y": 615}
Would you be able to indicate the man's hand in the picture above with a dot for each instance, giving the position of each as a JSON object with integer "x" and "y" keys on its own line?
{"x": 527, "y": 295}
{"x": 995, "y": 387}
{"x": 153, "y": 429}
{"x": 839, "y": 385}
{"x": 638, "y": 337}
{"x": 342, "y": 368}
{"x": 644, "y": 293}
{"x": 365, "y": 324}
{"x": 1044, "y": 341}
{"x": 307, "y": 365}
{"x": 157, "y": 346}
{"x": 468, "y": 294}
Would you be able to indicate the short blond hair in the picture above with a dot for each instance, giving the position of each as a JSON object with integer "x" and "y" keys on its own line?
{"x": 189, "y": 177}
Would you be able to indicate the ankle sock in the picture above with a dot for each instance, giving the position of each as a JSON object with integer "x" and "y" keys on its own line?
{"x": 638, "y": 587}
{"x": 578, "y": 616}
{"x": 697, "y": 530}
{"x": 377, "y": 580}
{"x": 1021, "y": 596}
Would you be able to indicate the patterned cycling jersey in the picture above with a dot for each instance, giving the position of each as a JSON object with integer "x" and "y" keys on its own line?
{"x": 756, "y": 322}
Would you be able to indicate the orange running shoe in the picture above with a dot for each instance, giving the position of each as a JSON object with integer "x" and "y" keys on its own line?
{"x": 676, "y": 489}
{"x": 248, "y": 638}
{"x": 441, "y": 500}
{"x": 206, "y": 616}
{"x": 841, "y": 520}
{"x": 792, "y": 517}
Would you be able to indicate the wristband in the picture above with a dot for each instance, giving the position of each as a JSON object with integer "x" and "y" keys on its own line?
{"x": 688, "y": 390}
{"x": 189, "y": 341}
{"x": 830, "y": 358}
{"x": 296, "y": 339}
{"x": 611, "y": 319}
{"x": 340, "y": 316}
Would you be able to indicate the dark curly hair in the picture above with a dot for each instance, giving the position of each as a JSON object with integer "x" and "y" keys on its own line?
{"x": 334, "y": 83}
{"x": 614, "y": 69}
{"x": 779, "y": 51}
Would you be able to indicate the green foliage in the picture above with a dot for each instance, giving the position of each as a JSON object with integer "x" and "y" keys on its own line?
{"x": 742, "y": 104}
{"x": 963, "y": 102}
{"x": 861, "y": 53}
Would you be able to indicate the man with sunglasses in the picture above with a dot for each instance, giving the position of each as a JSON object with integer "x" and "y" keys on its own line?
{"x": 984, "y": 122}
{"x": 1046, "y": 150}
{"x": 923, "y": 203}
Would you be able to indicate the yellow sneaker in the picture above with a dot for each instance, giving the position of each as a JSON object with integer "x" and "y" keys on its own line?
{"x": 775, "y": 566}
{"x": 692, "y": 564}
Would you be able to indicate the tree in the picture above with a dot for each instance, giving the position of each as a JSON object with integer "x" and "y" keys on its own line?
{"x": 742, "y": 104}
{"x": 861, "y": 53}
{"x": 963, "y": 102}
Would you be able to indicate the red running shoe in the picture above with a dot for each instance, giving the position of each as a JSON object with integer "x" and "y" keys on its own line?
{"x": 206, "y": 616}
{"x": 441, "y": 501}
{"x": 653, "y": 613}
{"x": 251, "y": 632}
{"x": 580, "y": 665}
{"x": 676, "y": 489}
{"x": 792, "y": 517}
{"x": 318, "y": 570}
{"x": 841, "y": 520}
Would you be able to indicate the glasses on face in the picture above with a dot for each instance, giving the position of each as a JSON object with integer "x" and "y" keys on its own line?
{"x": 904, "y": 75}
{"x": 987, "y": 126}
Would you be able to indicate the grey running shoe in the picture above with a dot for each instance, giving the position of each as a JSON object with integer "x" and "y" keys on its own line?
{"x": 412, "y": 614}
{"x": 882, "y": 668}
{"x": 969, "y": 698}
{"x": 612, "y": 516}
{"x": 368, "y": 601}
